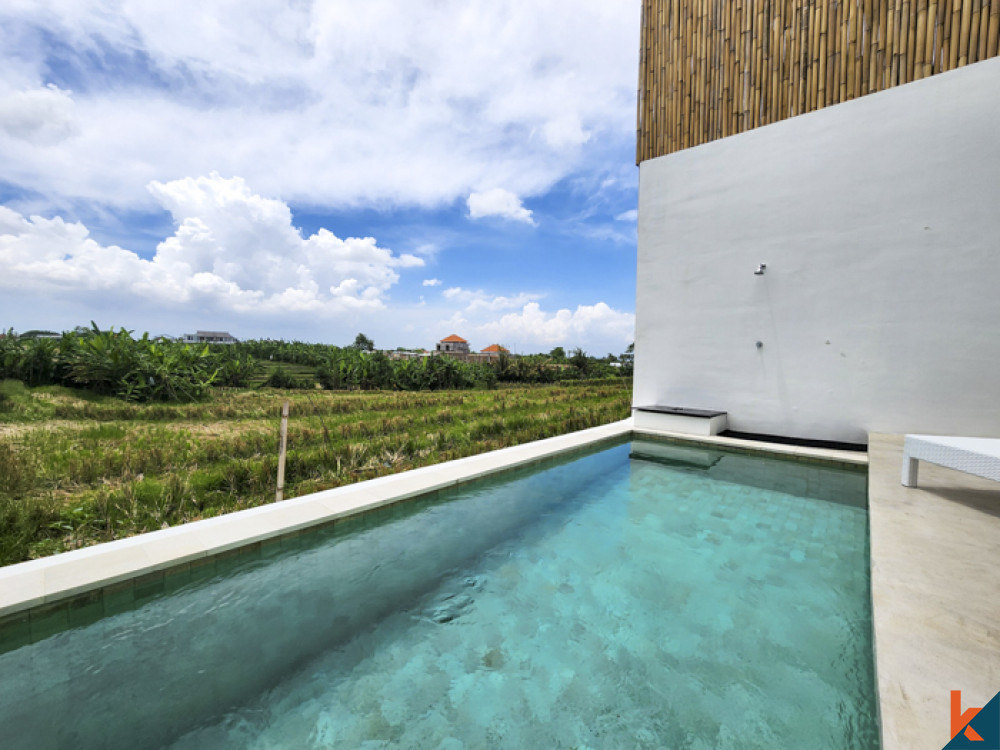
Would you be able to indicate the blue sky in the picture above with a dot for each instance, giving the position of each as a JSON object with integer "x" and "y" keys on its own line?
{"x": 310, "y": 170}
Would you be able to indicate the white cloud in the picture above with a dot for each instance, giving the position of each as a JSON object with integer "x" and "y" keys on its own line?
{"x": 233, "y": 250}
{"x": 432, "y": 282}
{"x": 527, "y": 327}
{"x": 596, "y": 326}
{"x": 565, "y": 131}
{"x": 498, "y": 202}
{"x": 628, "y": 215}
{"x": 480, "y": 300}
{"x": 332, "y": 103}
{"x": 427, "y": 249}
{"x": 41, "y": 116}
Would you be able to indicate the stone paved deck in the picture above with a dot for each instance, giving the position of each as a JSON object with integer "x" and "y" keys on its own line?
{"x": 935, "y": 552}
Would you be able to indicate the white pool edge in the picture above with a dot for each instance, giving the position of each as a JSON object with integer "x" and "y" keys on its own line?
{"x": 51, "y": 579}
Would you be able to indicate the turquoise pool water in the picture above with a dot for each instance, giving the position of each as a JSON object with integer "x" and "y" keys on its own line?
{"x": 646, "y": 595}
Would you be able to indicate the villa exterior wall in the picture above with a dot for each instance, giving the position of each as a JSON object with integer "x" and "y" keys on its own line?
{"x": 879, "y": 310}
{"x": 709, "y": 70}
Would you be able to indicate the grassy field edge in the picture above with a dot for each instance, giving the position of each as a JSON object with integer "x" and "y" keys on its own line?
{"x": 78, "y": 469}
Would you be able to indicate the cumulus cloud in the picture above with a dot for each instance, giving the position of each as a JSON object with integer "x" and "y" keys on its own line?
{"x": 565, "y": 131}
{"x": 520, "y": 321}
{"x": 332, "y": 103}
{"x": 432, "y": 282}
{"x": 479, "y": 300}
{"x": 41, "y": 116}
{"x": 232, "y": 250}
{"x": 498, "y": 202}
{"x": 598, "y": 326}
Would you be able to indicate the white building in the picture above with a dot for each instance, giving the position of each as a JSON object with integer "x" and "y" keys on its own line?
{"x": 208, "y": 337}
{"x": 834, "y": 273}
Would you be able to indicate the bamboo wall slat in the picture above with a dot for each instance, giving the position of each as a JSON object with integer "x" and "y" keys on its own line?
{"x": 712, "y": 68}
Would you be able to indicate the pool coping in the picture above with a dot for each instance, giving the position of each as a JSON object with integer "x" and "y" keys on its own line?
{"x": 30, "y": 584}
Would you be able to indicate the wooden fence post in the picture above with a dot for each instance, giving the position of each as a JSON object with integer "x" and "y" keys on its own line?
{"x": 281, "y": 454}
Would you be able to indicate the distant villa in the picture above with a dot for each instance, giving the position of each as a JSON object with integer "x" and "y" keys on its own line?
{"x": 453, "y": 344}
{"x": 456, "y": 346}
{"x": 209, "y": 337}
{"x": 494, "y": 351}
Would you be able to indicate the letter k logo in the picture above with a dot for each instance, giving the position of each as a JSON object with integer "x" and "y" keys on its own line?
{"x": 959, "y": 719}
{"x": 974, "y": 728}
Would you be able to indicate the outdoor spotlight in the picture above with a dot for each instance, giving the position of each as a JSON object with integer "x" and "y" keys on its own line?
{"x": 760, "y": 269}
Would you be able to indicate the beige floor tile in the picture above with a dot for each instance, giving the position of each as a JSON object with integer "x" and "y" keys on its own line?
{"x": 936, "y": 594}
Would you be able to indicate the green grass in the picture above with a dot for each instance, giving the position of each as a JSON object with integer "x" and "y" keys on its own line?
{"x": 78, "y": 469}
{"x": 305, "y": 374}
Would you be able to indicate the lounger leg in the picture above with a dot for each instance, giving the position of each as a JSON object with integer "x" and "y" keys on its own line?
{"x": 909, "y": 471}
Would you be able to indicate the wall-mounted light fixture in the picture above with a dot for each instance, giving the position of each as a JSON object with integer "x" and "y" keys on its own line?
{"x": 760, "y": 269}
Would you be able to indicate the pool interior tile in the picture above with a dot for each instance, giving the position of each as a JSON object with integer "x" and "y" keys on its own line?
{"x": 270, "y": 547}
{"x": 148, "y": 587}
{"x": 291, "y": 540}
{"x": 85, "y": 609}
{"x": 202, "y": 564}
{"x": 250, "y": 551}
{"x": 177, "y": 577}
{"x": 15, "y": 631}
{"x": 228, "y": 562}
{"x": 118, "y": 598}
{"x": 48, "y": 620}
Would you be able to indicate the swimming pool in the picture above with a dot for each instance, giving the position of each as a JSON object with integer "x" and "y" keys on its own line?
{"x": 643, "y": 595}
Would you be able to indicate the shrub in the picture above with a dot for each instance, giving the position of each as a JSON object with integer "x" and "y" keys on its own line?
{"x": 281, "y": 378}
{"x": 11, "y": 392}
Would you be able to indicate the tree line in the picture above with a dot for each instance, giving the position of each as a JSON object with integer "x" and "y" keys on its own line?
{"x": 114, "y": 362}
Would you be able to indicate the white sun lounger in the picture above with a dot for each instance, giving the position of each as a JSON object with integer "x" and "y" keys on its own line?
{"x": 979, "y": 456}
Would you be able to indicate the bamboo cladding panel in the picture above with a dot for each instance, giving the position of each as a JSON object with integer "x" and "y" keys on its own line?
{"x": 711, "y": 68}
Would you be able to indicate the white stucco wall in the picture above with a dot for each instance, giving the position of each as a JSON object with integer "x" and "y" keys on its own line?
{"x": 879, "y": 222}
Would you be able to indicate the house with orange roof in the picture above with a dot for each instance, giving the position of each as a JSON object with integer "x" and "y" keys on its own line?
{"x": 453, "y": 345}
{"x": 493, "y": 351}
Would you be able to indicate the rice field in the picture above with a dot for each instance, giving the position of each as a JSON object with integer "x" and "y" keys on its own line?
{"x": 78, "y": 469}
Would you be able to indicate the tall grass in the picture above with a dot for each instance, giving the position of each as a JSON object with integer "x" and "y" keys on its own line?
{"x": 76, "y": 471}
